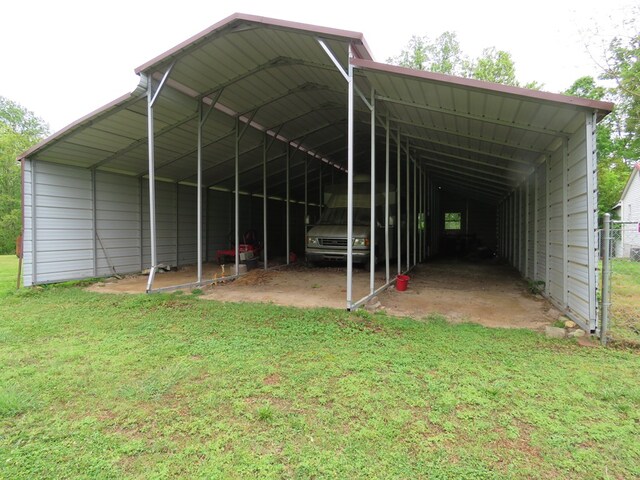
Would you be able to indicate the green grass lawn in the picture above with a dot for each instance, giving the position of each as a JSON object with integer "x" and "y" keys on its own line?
{"x": 170, "y": 386}
{"x": 625, "y": 300}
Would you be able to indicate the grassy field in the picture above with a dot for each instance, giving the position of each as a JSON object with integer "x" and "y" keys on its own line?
{"x": 169, "y": 386}
{"x": 625, "y": 301}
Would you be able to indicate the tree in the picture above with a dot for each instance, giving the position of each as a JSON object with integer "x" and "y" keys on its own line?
{"x": 444, "y": 55}
{"x": 19, "y": 129}
{"x": 613, "y": 169}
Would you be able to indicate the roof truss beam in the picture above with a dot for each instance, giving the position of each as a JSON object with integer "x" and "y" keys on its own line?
{"x": 430, "y": 163}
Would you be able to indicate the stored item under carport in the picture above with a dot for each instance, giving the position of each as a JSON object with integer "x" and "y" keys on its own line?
{"x": 402, "y": 281}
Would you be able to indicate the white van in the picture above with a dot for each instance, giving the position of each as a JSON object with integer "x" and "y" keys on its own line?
{"x": 327, "y": 240}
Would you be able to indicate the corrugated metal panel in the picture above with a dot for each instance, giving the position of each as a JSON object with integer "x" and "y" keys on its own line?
{"x": 541, "y": 223}
{"x": 531, "y": 226}
{"x": 63, "y": 229}
{"x": 27, "y": 245}
{"x": 165, "y": 224}
{"x": 188, "y": 224}
{"x": 117, "y": 224}
{"x": 577, "y": 225}
{"x": 556, "y": 228}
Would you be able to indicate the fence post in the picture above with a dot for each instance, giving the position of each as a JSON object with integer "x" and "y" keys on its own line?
{"x": 606, "y": 278}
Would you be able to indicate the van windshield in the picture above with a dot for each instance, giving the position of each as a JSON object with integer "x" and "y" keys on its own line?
{"x": 338, "y": 216}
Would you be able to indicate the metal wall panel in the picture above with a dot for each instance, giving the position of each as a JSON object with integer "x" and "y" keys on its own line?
{"x": 581, "y": 224}
{"x": 60, "y": 220}
{"x": 540, "y": 223}
{"x": 118, "y": 225}
{"x": 166, "y": 224}
{"x": 187, "y": 224}
{"x": 556, "y": 227}
{"x": 27, "y": 244}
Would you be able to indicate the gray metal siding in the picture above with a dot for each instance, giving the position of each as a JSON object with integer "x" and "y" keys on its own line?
{"x": 117, "y": 224}
{"x": 166, "y": 232}
{"x": 556, "y": 267}
{"x": 187, "y": 224}
{"x": 63, "y": 223}
{"x": 540, "y": 206}
{"x": 581, "y": 223}
{"x": 27, "y": 243}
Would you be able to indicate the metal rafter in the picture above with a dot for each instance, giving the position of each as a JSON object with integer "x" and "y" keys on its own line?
{"x": 469, "y": 160}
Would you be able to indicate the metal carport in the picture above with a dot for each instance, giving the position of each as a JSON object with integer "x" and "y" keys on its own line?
{"x": 256, "y": 110}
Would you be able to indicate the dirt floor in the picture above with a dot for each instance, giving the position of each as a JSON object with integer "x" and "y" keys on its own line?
{"x": 488, "y": 293}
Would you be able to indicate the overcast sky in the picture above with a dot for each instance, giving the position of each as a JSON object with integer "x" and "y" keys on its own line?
{"x": 63, "y": 59}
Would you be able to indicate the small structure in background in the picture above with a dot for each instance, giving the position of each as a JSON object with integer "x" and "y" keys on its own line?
{"x": 626, "y": 240}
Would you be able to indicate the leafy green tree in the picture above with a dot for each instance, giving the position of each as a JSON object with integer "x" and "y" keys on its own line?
{"x": 19, "y": 129}
{"x": 444, "y": 55}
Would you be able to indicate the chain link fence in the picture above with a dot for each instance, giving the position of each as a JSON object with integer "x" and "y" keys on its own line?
{"x": 620, "y": 292}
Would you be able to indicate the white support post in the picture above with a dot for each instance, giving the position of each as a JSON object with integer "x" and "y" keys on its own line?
{"x": 236, "y": 190}
{"x": 264, "y": 203}
{"x": 177, "y": 224}
{"x": 536, "y": 199}
{"x": 565, "y": 204}
{"x": 420, "y": 215}
{"x": 94, "y": 220}
{"x": 408, "y": 215}
{"x": 547, "y": 222}
{"x": 398, "y": 204}
{"x": 372, "y": 214}
{"x": 320, "y": 199}
{"x": 350, "y": 184}
{"x": 287, "y": 209}
{"x": 199, "y": 193}
{"x": 152, "y": 186}
{"x": 415, "y": 212}
{"x": 526, "y": 229}
{"x": 306, "y": 192}
{"x": 387, "y": 247}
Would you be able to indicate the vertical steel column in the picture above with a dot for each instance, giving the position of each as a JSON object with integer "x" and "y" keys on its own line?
{"x": 264, "y": 202}
{"x": 350, "y": 183}
{"x": 536, "y": 195}
{"x": 415, "y": 212}
{"x": 320, "y": 189}
{"x": 421, "y": 215}
{"x": 606, "y": 276}
{"x": 398, "y": 204}
{"x": 237, "y": 196}
{"x": 372, "y": 214}
{"x": 387, "y": 249}
{"x": 199, "y": 192}
{"x": 408, "y": 209}
{"x": 526, "y": 230}
{"x": 565, "y": 215}
{"x": 177, "y": 224}
{"x": 152, "y": 185}
{"x": 306, "y": 192}
{"x": 94, "y": 220}
{"x": 547, "y": 222}
{"x": 141, "y": 220}
{"x": 288, "y": 213}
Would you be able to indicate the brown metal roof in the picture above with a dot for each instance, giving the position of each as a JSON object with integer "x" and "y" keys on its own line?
{"x": 475, "y": 137}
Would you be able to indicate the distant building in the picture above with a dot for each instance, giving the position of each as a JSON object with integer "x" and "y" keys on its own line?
{"x": 628, "y": 210}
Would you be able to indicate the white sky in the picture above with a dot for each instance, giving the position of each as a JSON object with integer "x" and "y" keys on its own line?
{"x": 63, "y": 59}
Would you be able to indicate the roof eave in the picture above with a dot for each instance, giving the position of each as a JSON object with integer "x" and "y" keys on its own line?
{"x": 603, "y": 107}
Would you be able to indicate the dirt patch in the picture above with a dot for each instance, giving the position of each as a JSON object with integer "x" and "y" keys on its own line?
{"x": 488, "y": 293}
